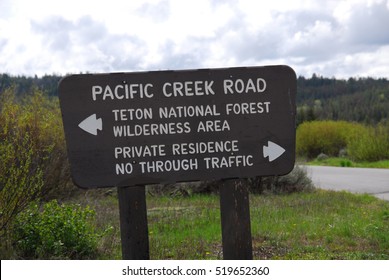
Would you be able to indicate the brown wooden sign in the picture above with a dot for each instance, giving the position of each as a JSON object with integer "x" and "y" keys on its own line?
{"x": 126, "y": 129}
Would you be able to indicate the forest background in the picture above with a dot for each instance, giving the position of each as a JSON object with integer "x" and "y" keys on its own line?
{"x": 364, "y": 100}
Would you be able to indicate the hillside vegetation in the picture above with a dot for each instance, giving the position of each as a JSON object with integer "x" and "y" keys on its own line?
{"x": 363, "y": 100}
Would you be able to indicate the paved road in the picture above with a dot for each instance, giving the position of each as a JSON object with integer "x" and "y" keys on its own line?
{"x": 358, "y": 180}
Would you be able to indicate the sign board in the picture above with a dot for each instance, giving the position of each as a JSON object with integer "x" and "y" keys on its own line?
{"x": 125, "y": 129}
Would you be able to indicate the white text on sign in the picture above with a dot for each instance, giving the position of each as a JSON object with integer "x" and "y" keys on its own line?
{"x": 176, "y": 89}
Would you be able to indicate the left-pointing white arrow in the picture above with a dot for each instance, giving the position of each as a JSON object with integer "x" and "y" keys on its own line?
{"x": 91, "y": 124}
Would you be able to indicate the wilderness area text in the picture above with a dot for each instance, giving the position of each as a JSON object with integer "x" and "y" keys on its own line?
{"x": 160, "y": 128}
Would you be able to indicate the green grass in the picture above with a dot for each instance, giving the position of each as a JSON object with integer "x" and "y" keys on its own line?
{"x": 344, "y": 162}
{"x": 184, "y": 228}
{"x": 317, "y": 225}
{"x": 321, "y": 225}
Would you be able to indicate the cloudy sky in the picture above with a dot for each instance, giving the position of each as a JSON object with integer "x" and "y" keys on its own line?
{"x": 340, "y": 38}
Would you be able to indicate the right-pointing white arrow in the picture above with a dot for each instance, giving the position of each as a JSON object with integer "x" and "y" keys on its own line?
{"x": 272, "y": 150}
{"x": 91, "y": 124}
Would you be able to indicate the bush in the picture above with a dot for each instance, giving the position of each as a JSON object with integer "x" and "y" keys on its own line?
{"x": 372, "y": 144}
{"x": 21, "y": 172}
{"x": 295, "y": 181}
{"x": 184, "y": 189}
{"x": 346, "y": 163}
{"x": 56, "y": 232}
{"x": 333, "y": 138}
{"x": 32, "y": 152}
{"x": 328, "y": 137}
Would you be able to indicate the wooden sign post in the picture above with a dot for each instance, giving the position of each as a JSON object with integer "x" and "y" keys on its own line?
{"x": 133, "y": 223}
{"x": 235, "y": 220}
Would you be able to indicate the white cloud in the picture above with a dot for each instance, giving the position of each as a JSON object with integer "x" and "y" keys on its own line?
{"x": 332, "y": 38}
{"x": 366, "y": 24}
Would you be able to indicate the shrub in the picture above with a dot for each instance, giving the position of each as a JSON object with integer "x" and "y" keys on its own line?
{"x": 185, "y": 189}
{"x": 295, "y": 181}
{"x": 21, "y": 172}
{"x": 56, "y": 232}
{"x": 32, "y": 151}
{"x": 346, "y": 163}
{"x": 41, "y": 117}
{"x": 328, "y": 137}
{"x": 371, "y": 144}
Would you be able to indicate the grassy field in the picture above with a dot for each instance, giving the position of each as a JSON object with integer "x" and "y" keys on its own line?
{"x": 317, "y": 225}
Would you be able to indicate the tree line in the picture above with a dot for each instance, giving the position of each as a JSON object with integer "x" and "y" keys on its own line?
{"x": 364, "y": 100}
